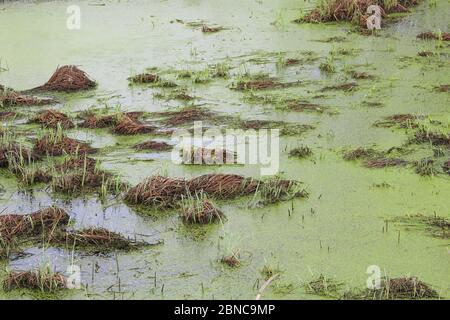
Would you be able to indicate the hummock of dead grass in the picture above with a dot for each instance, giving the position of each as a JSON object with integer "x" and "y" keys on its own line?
{"x": 46, "y": 220}
{"x": 59, "y": 145}
{"x": 67, "y": 79}
{"x": 43, "y": 280}
{"x": 53, "y": 119}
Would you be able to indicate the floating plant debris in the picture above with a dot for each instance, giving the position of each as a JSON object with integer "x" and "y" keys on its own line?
{"x": 153, "y": 145}
{"x": 399, "y": 120}
{"x": 97, "y": 239}
{"x": 438, "y": 227}
{"x": 344, "y": 87}
{"x": 144, "y": 78}
{"x": 434, "y": 36}
{"x": 300, "y": 152}
{"x": 206, "y": 29}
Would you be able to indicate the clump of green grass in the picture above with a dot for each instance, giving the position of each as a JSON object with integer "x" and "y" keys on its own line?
{"x": 425, "y": 167}
{"x": 199, "y": 209}
{"x": 323, "y": 286}
{"x": 436, "y": 226}
{"x": 395, "y": 288}
{"x": 269, "y": 271}
{"x": 43, "y": 279}
{"x": 328, "y": 65}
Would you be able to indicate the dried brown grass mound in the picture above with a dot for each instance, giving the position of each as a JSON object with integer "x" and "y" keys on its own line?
{"x": 11, "y": 98}
{"x": 381, "y": 162}
{"x": 53, "y": 118}
{"x": 5, "y": 115}
{"x": 446, "y": 167}
{"x": 153, "y": 145}
{"x": 67, "y": 79}
{"x": 352, "y": 10}
{"x": 442, "y": 88}
{"x": 222, "y": 186}
{"x": 202, "y": 212}
{"x": 359, "y": 153}
{"x": 144, "y": 78}
{"x": 407, "y": 288}
{"x": 344, "y": 87}
{"x": 129, "y": 126}
{"x": 400, "y": 120}
{"x": 77, "y": 163}
{"x": 44, "y": 220}
{"x": 13, "y": 153}
{"x": 97, "y": 238}
{"x": 206, "y": 29}
{"x": 186, "y": 115}
{"x": 87, "y": 181}
{"x": 258, "y": 84}
{"x": 94, "y": 121}
{"x": 57, "y": 146}
{"x": 199, "y": 155}
{"x": 157, "y": 191}
{"x": 45, "y": 281}
{"x": 435, "y": 138}
{"x": 445, "y": 36}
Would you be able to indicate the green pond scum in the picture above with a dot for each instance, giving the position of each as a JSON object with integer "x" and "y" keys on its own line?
{"x": 96, "y": 97}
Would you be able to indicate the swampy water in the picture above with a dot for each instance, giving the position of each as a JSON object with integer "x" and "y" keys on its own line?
{"x": 339, "y": 231}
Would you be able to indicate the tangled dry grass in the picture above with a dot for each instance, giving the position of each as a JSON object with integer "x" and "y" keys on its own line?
{"x": 445, "y": 36}
{"x": 12, "y": 153}
{"x": 144, "y": 78}
{"x": 153, "y": 145}
{"x": 157, "y": 191}
{"x": 129, "y": 126}
{"x": 435, "y": 138}
{"x": 400, "y": 120}
{"x": 353, "y": 10}
{"x": 93, "y": 121}
{"x": 57, "y": 145}
{"x": 43, "y": 280}
{"x": 200, "y": 210}
{"x": 167, "y": 192}
{"x": 46, "y": 220}
{"x": 68, "y": 79}
{"x": 186, "y": 115}
{"x": 11, "y": 98}
{"x": 98, "y": 239}
{"x": 53, "y": 119}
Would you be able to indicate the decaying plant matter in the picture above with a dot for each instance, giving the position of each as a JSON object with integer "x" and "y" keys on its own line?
{"x": 67, "y": 79}
{"x": 43, "y": 280}
{"x": 199, "y": 209}
{"x": 53, "y": 119}
{"x": 9, "y": 97}
{"x": 353, "y": 10}
{"x": 129, "y": 126}
{"x": 59, "y": 144}
{"x": 98, "y": 239}
{"x": 46, "y": 220}
{"x": 153, "y": 145}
